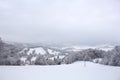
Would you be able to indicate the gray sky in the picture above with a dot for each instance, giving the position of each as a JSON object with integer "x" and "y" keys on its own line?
{"x": 81, "y": 21}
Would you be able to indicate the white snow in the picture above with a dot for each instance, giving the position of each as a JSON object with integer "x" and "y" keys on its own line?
{"x": 52, "y": 58}
{"x": 38, "y": 50}
{"x": 30, "y": 51}
{"x": 56, "y": 57}
{"x": 106, "y": 49}
{"x": 97, "y": 60}
{"x": 33, "y": 58}
{"x": 61, "y": 56}
{"x": 53, "y": 52}
{"x": 23, "y": 59}
{"x": 75, "y": 71}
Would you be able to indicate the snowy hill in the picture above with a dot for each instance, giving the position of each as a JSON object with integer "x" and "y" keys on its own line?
{"x": 75, "y": 71}
{"x": 53, "y": 50}
{"x": 40, "y": 50}
{"x": 30, "y": 55}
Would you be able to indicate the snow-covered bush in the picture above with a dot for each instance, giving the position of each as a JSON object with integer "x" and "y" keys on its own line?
{"x": 112, "y": 57}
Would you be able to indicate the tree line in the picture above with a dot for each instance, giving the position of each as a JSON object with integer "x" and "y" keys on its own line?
{"x": 10, "y": 55}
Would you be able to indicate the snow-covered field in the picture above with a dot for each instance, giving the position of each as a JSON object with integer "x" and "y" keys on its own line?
{"x": 75, "y": 71}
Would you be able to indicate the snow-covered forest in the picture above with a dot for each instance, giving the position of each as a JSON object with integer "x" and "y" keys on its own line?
{"x": 17, "y": 54}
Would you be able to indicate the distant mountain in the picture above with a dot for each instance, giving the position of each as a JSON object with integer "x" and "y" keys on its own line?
{"x": 79, "y": 48}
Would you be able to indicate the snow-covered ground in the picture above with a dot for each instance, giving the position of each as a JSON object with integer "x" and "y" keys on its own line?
{"x": 75, "y": 71}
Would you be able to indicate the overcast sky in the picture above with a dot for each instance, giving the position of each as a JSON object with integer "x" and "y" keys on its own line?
{"x": 80, "y": 21}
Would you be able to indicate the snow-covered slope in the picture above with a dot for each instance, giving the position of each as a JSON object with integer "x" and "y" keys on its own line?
{"x": 40, "y": 50}
{"x": 75, "y": 71}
